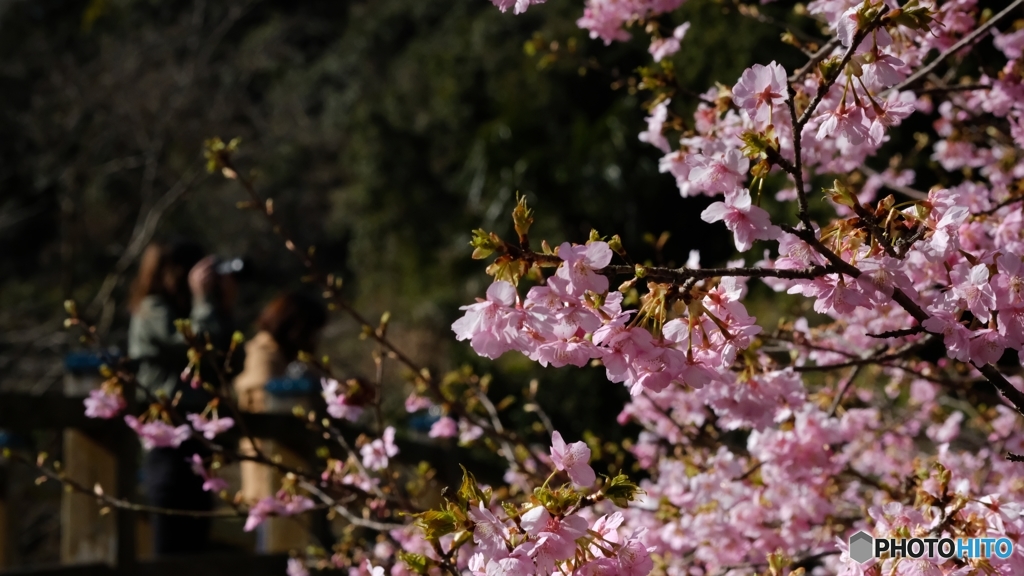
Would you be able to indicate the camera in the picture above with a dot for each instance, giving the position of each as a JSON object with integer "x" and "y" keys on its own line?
{"x": 230, "y": 266}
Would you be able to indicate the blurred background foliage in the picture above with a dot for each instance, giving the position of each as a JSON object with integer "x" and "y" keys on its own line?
{"x": 384, "y": 130}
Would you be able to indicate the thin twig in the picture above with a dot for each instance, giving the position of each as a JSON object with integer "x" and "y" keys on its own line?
{"x": 843, "y": 388}
{"x": 898, "y": 333}
{"x": 798, "y": 168}
{"x": 825, "y": 86}
{"x": 999, "y": 206}
{"x": 680, "y": 275}
{"x": 873, "y": 359}
{"x": 266, "y": 209}
{"x": 1015, "y": 396}
{"x": 952, "y": 88}
{"x": 345, "y": 512}
{"x": 340, "y": 439}
{"x": 141, "y": 235}
{"x": 965, "y": 41}
{"x": 118, "y": 503}
{"x": 818, "y": 56}
{"x": 806, "y": 560}
{"x": 754, "y": 13}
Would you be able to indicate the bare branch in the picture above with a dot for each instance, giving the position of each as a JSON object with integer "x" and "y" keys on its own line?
{"x": 965, "y": 41}
{"x": 818, "y": 56}
{"x": 843, "y": 388}
{"x": 680, "y": 275}
{"x": 118, "y": 503}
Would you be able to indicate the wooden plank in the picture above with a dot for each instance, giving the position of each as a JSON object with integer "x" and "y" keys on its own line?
{"x": 26, "y": 412}
{"x": 276, "y": 534}
{"x": 204, "y": 565}
{"x": 87, "y": 536}
{"x": 23, "y": 412}
{"x": 82, "y": 570}
{"x": 212, "y": 565}
{"x": 5, "y": 537}
{"x": 126, "y": 446}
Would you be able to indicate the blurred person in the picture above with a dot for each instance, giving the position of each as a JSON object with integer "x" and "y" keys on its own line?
{"x": 176, "y": 280}
{"x": 289, "y": 324}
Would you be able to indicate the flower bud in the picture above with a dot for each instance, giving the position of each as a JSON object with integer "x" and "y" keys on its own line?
{"x": 522, "y": 217}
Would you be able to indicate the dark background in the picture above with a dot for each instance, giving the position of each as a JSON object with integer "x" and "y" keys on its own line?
{"x": 384, "y": 131}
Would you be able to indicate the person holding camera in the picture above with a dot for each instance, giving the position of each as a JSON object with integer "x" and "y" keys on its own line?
{"x": 176, "y": 280}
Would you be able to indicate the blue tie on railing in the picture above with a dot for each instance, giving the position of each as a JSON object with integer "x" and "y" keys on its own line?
{"x": 289, "y": 387}
{"x": 84, "y": 362}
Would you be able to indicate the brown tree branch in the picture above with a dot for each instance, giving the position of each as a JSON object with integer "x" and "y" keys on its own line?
{"x": 965, "y": 41}
{"x": 680, "y": 275}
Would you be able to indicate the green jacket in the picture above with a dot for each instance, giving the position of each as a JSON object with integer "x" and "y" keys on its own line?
{"x": 161, "y": 350}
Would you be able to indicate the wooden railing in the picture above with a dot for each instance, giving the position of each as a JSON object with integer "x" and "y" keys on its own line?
{"x": 206, "y": 565}
{"x": 106, "y": 452}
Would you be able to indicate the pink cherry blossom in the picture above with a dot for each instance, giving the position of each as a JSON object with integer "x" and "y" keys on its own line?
{"x": 486, "y": 323}
{"x": 490, "y": 533}
{"x": 720, "y": 175}
{"x": 414, "y": 403}
{"x": 376, "y": 453}
{"x": 655, "y": 123}
{"x": 948, "y": 430}
{"x": 104, "y": 403}
{"x": 338, "y": 403}
{"x": 852, "y": 400}
{"x": 635, "y": 559}
{"x": 971, "y": 284}
{"x": 469, "y": 432}
{"x": 955, "y": 335}
{"x": 986, "y": 346}
{"x": 1009, "y": 281}
{"x": 581, "y": 266}
{"x": 260, "y": 511}
{"x": 761, "y": 90}
{"x": 158, "y": 434}
{"x": 445, "y": 427}
{"x": 210, "y": 428}
{"x": 297, "y": 568}
{"x": 662, "y": 48}
{"x": 846, "y": 122}
{"x": 281, "y": 504}
{"x": 605, "y": 19}
{"x": 746, "y": 221}
{"x": 519, "y": 6}
{"x": 210, "y": 483}
{"x": 573, "y": 459}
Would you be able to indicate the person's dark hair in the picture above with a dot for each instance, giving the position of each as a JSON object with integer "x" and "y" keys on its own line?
{"x": 163, "y": 271}
{"x": 293, "y": 319}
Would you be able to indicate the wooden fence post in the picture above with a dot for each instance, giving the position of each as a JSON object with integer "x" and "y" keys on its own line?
{"x": 4, "y": 536}
{"x": 128, "y": 522}
{"x": 276, "y": 534}
{"x": 87, "y": 536}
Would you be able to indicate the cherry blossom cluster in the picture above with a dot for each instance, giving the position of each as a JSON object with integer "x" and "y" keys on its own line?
{"x": 573, "y": 319}
{"x": 842, "y": 422}
{"x": 104, "y": 402}
{"x": 284, "y": 503}
{"x": 559, "y": 531}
